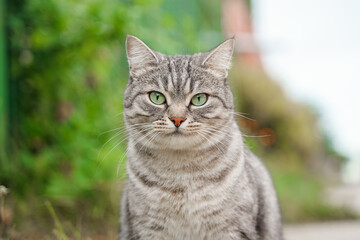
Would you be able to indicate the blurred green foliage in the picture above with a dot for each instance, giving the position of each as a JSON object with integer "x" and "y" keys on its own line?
{"x": 68, "y": 73}
{"x": 3, "y": 84}
{"x": 299, "y": 152}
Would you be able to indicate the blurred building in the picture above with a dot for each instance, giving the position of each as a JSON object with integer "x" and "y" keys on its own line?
{"x": 236, "y": 22}
{"x": 274, "y": 109}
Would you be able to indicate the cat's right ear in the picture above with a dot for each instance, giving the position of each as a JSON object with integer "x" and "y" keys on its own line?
{"x": 219, "y": 59}
{"x": 139, "y": 55}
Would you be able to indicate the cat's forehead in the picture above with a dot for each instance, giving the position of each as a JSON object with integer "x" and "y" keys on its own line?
{"x": 179, "y": 61}
{"x": 176, "y": 75}
{"x": 182, "y": 74}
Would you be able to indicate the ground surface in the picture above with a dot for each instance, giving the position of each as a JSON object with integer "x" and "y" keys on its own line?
{"x": 344, "y": 230}
{"x": 344, "y": 196}
{"x": 347, "y": 196}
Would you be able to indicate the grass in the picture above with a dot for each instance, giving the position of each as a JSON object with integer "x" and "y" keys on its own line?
{"x": 60, "y": 233}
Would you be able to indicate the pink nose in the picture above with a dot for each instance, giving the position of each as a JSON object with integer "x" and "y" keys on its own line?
{"x": 177, "y": 120}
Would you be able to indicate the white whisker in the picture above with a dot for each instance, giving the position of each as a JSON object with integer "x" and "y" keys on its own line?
{"x": 124, "y": 139}
{"x": 240, "y": 114}
{"x": 135, "y": 142}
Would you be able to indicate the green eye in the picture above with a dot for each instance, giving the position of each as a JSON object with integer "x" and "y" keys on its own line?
{"x": 199, "y": 99}
{"x": 157, "y": 98}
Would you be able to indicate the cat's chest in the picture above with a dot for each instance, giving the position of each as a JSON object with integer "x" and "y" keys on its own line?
{"x": 184, "y": 203}
{"x": 192, "y": 214}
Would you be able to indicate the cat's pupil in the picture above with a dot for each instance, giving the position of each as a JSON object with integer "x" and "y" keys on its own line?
{"x": 198, "y": 97}
{"x": 157, "y": 96}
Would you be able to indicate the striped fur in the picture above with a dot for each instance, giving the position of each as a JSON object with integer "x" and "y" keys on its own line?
{"x": 199, "y": 182}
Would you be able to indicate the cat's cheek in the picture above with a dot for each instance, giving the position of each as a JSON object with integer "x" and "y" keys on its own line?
{"x": 155, "y": 111}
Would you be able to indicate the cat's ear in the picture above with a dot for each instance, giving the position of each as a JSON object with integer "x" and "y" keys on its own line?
{"x": 219, "y": 59}
{"x": 139, "y": 55}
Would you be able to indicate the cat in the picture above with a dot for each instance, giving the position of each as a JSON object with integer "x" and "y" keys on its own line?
{"x": 190, "y": 176}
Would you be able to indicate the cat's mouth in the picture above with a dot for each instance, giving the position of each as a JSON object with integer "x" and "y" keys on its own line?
{"x": 181, "y": 132}
{"x": 176, "y": 131}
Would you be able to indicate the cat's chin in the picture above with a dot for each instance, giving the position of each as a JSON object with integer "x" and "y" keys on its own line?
{"x": 181, "y": 141}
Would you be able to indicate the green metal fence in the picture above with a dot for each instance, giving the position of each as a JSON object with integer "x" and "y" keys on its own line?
{"x": 3, "y": 86}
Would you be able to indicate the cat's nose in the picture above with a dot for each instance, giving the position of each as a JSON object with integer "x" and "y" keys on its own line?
{"x": 177, "y": 121}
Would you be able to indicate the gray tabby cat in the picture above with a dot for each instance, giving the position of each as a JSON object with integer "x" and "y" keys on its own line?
{"x": 190, "y": 176}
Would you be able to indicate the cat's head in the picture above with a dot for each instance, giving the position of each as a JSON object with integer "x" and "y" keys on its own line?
{"x": 178, "y": 102}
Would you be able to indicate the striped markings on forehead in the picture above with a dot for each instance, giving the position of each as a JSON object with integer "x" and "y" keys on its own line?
{"x": 179, "y": 73}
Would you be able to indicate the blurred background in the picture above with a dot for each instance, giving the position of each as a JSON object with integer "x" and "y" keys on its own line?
{"x": 63, "y": 71}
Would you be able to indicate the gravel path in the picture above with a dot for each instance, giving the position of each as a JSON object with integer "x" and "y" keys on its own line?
{"x": 345, "y": 230}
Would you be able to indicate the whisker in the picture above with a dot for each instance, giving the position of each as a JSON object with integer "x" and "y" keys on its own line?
{"x": 133, "y": 127}
{"x": 151, "y": 138}
{"x": 253, "y": 136}
{"x": 125, "y": 154}
{"x": 115, "y": 135}
{"x": 210, "y": 140}
{"x": 214, "y": 142}
{"x": 118, "y": 114}
{"x": 240, "y": 114}
{"x": 258, "y": 136}
{"x": 120, "y": 128}
{"x": 124, "y": 139}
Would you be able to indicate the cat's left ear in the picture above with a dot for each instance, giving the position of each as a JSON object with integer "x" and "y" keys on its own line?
{"x": 219, "y": 59}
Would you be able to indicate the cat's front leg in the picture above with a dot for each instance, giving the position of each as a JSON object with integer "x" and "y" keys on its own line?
{"x": 126, "y": 231}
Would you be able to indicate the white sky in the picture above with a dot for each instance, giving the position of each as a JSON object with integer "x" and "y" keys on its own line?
{"x": 312, "y": 47}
